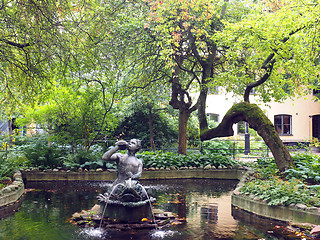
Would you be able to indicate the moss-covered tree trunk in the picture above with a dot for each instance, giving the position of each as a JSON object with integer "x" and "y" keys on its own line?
{"x": 258, "y": 121}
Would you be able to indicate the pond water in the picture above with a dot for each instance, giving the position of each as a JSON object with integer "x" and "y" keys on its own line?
{"x": 46, "y": 209}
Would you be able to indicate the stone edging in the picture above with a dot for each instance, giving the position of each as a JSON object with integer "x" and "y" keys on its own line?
{"x": 12, "y": 192}
{"x": 111, "y": 175}
{"x": 298, "y": 213}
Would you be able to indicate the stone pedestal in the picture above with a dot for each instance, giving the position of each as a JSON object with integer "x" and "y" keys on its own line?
{"x": 127, "y": 214}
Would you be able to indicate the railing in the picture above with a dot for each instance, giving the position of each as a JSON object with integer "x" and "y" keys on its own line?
{"x": 235, "y": 147}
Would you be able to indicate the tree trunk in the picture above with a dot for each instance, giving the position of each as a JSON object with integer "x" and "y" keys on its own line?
{"x": 257, "y": 120}
{"x": 151, "y": 129}
{"x": 10, "y": 129}
{"x": 203, "y": 123}
{"x": 182, "y": 136}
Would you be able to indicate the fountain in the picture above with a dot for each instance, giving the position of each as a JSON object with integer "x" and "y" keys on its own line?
{"x": 127, "y": 201}
{"x": 126, "y": 204}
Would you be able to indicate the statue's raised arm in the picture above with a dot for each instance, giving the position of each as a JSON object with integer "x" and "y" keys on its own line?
{"x": 110, "y": 155}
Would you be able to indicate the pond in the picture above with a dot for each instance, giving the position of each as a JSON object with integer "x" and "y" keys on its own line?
{"x": 206, "y": 204}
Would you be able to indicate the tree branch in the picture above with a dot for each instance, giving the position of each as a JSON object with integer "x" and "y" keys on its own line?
{"x": 14, "y": 44}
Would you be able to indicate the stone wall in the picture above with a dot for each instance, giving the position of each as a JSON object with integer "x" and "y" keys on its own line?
{"x": 12, "y": 192}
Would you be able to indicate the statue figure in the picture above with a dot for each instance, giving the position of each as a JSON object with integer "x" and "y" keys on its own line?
{"x": 127, "y": 200}
{"x": 129, "y": 167}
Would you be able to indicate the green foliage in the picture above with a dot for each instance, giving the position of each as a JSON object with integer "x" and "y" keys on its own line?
{"x": 286, "y": 33}
{"x": 86, "y": 160}
{"x": 292, "y": 186}
{"x": 72, "y": 115}
{"x": 223, "y": 147}
{"x": 136, "y": 125}
{"x": 161, "y": 159}
{"x": 40, "y": 155}
{"x": 266, "y": 168}
{"x": 278, "y": 192}
{"x": 307, "y": 168}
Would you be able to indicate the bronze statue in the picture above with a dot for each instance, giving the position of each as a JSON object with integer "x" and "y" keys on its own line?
{"x": 129, "y": 166}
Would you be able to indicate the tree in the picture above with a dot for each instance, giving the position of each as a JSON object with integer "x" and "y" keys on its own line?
{"x": 183, "y": 32}
{"x": 44, "y": 44}
{"x": 51, "y": 48}
{"x": 276, "y": 53}
{"x": 145, "y": 116}
{"x": 74, "y": 116}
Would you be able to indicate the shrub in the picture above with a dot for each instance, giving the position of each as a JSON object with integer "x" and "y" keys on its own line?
{"x": 223, "y": 147}
{"x": 86, "y": 160}
{"x": 161, "y": 159}
{"x": 279, "y": 192}
{"x": 307, "y": 168}
{"x": 40, "y": 155}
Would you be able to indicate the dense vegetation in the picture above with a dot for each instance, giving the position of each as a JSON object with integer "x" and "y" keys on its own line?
{"x": 35, "y": 152}
{"x": 300, "y": 184}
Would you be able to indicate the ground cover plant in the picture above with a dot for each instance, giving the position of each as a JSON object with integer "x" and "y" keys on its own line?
{"x": 298, "y": 185}
{"x": 160, "y": 159}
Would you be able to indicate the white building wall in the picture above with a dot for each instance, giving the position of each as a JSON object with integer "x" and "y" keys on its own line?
{"x": 299, "y": 108}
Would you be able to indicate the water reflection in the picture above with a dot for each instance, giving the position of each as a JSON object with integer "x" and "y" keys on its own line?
{"x": 205, "y": 204}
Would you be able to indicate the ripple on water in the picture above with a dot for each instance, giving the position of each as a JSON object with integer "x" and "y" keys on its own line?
{"x": 92, "y": 232}
{"x": 161, "y": 234}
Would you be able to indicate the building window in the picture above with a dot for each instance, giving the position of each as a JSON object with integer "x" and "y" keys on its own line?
{"x": 316, "y": 92}
{"x": 283, "y": 124}
{"x": 213, "y": 117}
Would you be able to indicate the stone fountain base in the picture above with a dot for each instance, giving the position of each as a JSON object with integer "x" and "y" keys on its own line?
{"x": 92, "y": 218}
{"x": 126, "y": 214}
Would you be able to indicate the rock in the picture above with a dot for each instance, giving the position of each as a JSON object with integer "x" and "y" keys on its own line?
{"x": 152, "y": 169}
{"x": 256, "y": 199}
{"x": 6, "y": 190}
{"x": 14, "y": 186}
{"x": 312, "y": 209}
{"x": 80, "y": 170}
{"x": 99, "y": 170}
{"x": 76, "y": 216}
{"x": 315, "y": 230}
{"x": 172, "y": 168}
{"x": 95, "y": 209}
{"x": 17, "y": 174}
{"x": 96, "y": 218}
{"x": 251, "y": 196}
{"x": 55, "y": 170}
{"x": 207, "y": 167}
{"x": 301, "y": 206}
{"x": 236, "y": 192}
